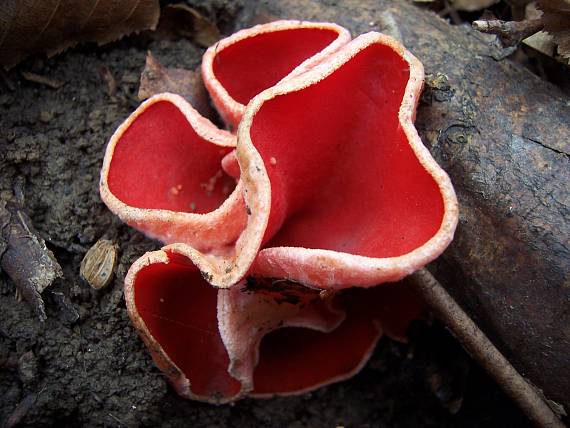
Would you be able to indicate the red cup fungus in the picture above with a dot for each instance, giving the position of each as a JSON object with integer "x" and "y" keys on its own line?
{"x": 275, "y": 237}
{"x": 162, "y": 174}
{"x": 241, "y": 66}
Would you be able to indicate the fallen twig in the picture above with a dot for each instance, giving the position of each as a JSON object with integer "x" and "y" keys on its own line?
{"x": 42, "y": 80}
{"x": 483, "y": 350}
{"x": 511, "y": 33}
{"x": 21, "y": 410}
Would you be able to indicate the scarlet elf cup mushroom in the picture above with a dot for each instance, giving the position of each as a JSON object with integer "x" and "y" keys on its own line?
{"x": 266, "y": 283}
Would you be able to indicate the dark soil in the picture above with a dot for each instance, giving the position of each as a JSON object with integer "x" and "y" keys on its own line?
{"x": 92, "y": 370}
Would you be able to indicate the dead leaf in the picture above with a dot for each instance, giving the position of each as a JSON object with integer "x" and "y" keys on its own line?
{"x": 156, "y": 78}
{"x": 542, "y": 42}
{"x": 556, "y": 18}
{"x": 52, "y": 26}
{"x": 179, "y": 20}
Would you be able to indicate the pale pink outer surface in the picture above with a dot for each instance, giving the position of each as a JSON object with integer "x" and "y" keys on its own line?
{"x": 230, "y": 109}
{"x": 213, "y": 231}
{"x": 316, "y": 267}
{"x": 245, "y": 318}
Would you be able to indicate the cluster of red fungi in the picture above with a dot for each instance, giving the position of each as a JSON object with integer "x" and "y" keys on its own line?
{"x": 278, "y": 231}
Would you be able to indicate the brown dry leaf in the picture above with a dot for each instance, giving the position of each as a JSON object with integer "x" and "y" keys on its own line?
{"x": 156, "y": 78}
{"x": 179, "y": 20}
{"x": 556, "y": 18}
{"x": 51, "y": 26}
{"x": 542, "y": 42}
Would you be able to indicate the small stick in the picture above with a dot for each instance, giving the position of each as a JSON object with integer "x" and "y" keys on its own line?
{"x": 483, "y": 350}
{"x": 510, "y": 32}
{"x": 21, "y": 411}
{"x": 120, "y": 422}
{"x": 42, "y": 80}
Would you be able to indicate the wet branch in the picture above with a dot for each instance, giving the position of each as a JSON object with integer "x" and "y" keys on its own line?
{"x": 483, "y": 351}
{"x": 511, "y": 33}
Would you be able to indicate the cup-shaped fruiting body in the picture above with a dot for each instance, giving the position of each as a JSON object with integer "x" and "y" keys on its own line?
{"x": 162, "y": 174}
{"x": 174, "y": 312}
{"x": 262, "y": 337}
{"x": 326, "y": 187}
{"x": 241, "y": 66}
{"x": 339, "y": 188}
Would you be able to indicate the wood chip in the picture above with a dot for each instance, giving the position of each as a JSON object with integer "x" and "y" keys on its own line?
{"x": 26, "y": 259}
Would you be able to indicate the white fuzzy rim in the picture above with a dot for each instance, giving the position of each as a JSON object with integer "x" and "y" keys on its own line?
{"x": 230, "y": 109}
{"x": 355, "y": 270}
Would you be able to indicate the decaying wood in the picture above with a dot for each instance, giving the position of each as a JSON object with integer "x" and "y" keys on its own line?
{"x": 54, "y": 25}
{"x": 25, "y": 258}
{"x": 503, "y": 135}
{"x": 483, "y": 350}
